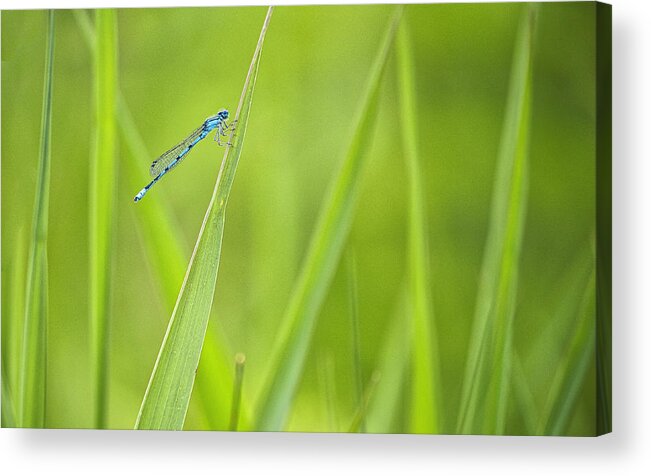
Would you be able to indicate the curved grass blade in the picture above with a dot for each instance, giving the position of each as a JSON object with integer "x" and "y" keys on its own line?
{"x": 325, "y": 250}
{"x": 488, "y": 369}
{"x": 167, "y": 396}
{"x": 34, "y": 359}
{"x": 167, "y": 256}
{"x": 425, "y": 416}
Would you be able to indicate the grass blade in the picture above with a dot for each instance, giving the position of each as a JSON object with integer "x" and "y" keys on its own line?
{"x": 240, "y": 360}
{"x": 168, "y": 394}
{"x": 167, "y": 255}
{"x": 354, "y": 325}
{"x": 325, "y": 250}
{"x": 425, "y": 416}
{"x": 326, "y": 377}
{"x": 168, "y": 260}
{"x": 34, "y": 360}
{"x": 8, "y": 418}
{"x": 13, "y": 317}
{"x": 102, "y": 194}
{"x": 7, "y": 414}
{"x": 13, "y": 312}
{"x": 214, "y": 383}
{"x": 487, "y": 377}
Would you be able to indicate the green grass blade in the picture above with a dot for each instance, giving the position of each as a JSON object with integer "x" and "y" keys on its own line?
{"x": 86, "y": 26}
{"x": 168, "y": 394}
{"x": 167, "y": 255}
{"x": 573, "y": 370}
{"x": 487, "y": 378}
{"x": 325, "y": 250}
{"x": 240, "y": 360}
{"x": 13, "y": 313}
{"x": 8, "y": 418}
{"x": 168, "y": 260}
{"x": 8, "y": 412}
{"x": 354, "y": 326}
{"x": 102, "y": 195}
{"x": 8, "y": 321}
{"x": 214, "y": 383}
{"x": 13, "y": 317}
{"x": 34, "y": 360}
{"x": 425, "y": 416}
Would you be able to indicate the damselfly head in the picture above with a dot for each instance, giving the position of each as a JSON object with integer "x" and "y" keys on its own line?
{"x": 223, "y": 114}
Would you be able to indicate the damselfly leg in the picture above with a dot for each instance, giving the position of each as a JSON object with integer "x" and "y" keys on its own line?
{"x": 222, "y": 128}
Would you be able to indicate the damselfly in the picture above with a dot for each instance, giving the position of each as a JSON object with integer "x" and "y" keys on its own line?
{"x": 176, "y": 154}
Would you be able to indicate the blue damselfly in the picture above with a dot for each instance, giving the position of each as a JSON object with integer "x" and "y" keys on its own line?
{"x": 176, "y": 154}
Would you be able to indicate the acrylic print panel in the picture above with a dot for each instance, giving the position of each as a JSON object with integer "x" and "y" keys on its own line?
{"x": 403, "y": 227}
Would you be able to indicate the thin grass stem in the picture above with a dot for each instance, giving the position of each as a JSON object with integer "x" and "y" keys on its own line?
{"x": 240, "y": 360}
{"x": 34, "y": 353}
{"x": 425, "y": 416}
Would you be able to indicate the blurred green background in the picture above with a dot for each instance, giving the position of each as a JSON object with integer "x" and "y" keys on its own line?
{"x": 178, "y": 66}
